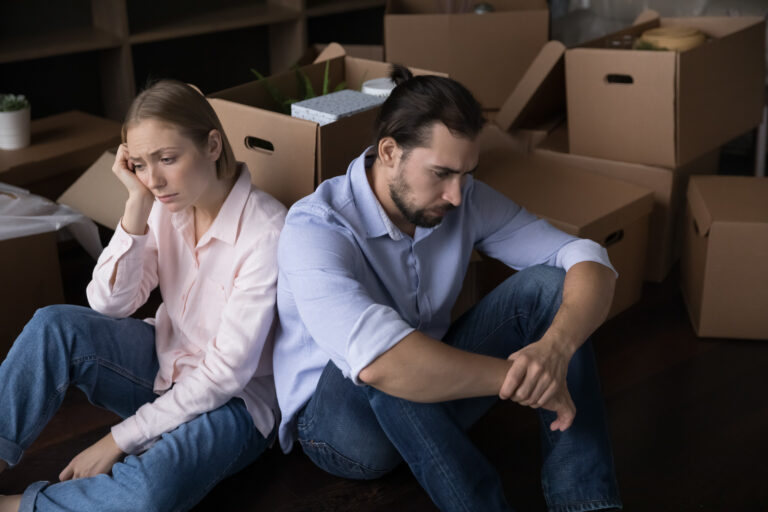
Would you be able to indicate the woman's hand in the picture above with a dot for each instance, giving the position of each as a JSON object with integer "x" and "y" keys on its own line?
{"x": 140, "y": 198}
{"x": 94, "y": 460}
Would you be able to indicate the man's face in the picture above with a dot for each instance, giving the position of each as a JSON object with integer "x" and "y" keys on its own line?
{"x": 428, "y": 181}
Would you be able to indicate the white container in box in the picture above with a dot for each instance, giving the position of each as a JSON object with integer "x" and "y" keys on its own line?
{"x": 331, "y": 107}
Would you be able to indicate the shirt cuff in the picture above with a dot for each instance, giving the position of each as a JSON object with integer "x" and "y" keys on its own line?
{"x": 128, "y": 437}
{"x": 583, "y": 250}
{"x": 377, "y": 330}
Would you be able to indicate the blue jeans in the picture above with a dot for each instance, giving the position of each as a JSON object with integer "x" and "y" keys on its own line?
{"x": 114, "y": 362}
{"x": 360, "y": 432}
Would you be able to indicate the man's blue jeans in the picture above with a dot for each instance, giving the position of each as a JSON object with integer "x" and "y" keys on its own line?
{"x": 114, "y": 362}
{"x": 360, "y": 432}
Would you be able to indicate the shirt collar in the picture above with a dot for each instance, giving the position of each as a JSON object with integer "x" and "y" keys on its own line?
{"x": 374, "y": 219}
{"x": 225, "y": 225}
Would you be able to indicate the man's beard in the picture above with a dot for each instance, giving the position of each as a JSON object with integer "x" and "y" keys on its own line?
{"x": 398, "y": 191}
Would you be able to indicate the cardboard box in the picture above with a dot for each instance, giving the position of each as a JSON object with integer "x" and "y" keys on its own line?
{"x": 289, "y": 157}
{"x": 29, "y": 271}
{"x": 668, "y": 187}
{"x": 63, "y": 146}
{"x": 488, "y": 53}
{"x": 361, "y": 51}
{"x": 611, "y": 212}
{"x": 534, "y": 114}
{"x": 725, "y": 258}
{"x": 29, "y": 266}
{"x": 666, "y": 108}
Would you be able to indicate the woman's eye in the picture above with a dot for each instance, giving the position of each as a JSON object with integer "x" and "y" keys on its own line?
{"x": 137, "y": 167}
{"x": 167, "y": 160}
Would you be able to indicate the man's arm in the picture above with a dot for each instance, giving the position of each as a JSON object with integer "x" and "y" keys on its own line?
{"x": 538, "y": 372}
{"x": 422, "y": 369}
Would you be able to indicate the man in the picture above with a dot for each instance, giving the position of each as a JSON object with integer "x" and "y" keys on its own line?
{"x": 369, "y": 370}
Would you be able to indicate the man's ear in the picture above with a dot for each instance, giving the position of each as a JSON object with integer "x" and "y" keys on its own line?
{"x": 389, "y": 153}
{"x": 215, "y": 144}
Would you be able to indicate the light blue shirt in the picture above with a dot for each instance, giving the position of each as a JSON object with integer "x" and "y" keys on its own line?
{"x": 351, "y": 284}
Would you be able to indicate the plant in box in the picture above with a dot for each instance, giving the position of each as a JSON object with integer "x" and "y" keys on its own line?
{"x": 14, "y": 121}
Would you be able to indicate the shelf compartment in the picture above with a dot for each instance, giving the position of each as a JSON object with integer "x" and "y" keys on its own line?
{"x": 217, "y": 21}
{"x": 51, "y": 44}
{"x": 325, "y": 7}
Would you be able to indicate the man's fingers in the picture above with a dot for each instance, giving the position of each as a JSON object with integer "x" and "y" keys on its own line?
{"x": 542, "y": 386}
{"x": 566, "y": 412}
{"x": 66, "y": 473}
{"x": 512, "y": 380}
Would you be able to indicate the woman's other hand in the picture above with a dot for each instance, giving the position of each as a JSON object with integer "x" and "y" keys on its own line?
{"x": 94, "y": 460}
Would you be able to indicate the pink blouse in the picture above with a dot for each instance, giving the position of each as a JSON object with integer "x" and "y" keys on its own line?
{"x": 213, "y": 331}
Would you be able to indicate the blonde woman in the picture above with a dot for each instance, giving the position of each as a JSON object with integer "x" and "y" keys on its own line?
{"x": 194, "y": 385}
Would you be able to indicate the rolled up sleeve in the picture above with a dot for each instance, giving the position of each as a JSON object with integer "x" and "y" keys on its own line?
{"x": 320, "y": 261}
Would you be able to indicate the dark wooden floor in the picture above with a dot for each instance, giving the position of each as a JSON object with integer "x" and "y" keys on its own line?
{"x": 689, "y": 421}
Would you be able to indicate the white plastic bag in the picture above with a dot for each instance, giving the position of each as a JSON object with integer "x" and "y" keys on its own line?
{"x": 24, "y": 214}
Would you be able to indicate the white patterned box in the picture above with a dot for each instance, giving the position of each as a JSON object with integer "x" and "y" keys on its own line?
{"x": 333, "y": 106}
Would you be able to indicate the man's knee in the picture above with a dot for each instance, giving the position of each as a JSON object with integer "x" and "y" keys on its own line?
{"x": 355, "y": 461}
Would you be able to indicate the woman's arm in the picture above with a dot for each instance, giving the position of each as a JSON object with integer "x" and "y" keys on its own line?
{"x": 126, "y": 271}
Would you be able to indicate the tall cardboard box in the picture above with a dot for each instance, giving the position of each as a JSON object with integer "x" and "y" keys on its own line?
{"x": 725, "y": 258}
{"x": 611, "y": 212}
{"x": 29, "y": 265}
{"x": 488, "y": 53}
{"x": 666, "y": 108}
{"x": 288, "y": 157}
{"x": 534, "y": 115}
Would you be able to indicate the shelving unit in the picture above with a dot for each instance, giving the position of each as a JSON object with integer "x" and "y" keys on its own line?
{"x": 125, "y": 42}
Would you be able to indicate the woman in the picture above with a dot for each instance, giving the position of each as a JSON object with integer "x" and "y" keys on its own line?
{"x": 194, "y": 385}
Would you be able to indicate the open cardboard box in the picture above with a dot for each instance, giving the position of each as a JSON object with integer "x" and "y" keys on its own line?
{"x": 666, "y": 108}
{"x": 725, "y": 259}
{"x": 488, "y": 53}
{"x": 611, "y": 212}
{"x": 289, "y": 157}
{"x": 29, "y": 266}
{"x": 534, "y": 115}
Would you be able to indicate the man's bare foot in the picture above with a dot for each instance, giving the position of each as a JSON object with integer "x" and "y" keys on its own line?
{"x": 10, "y": 503}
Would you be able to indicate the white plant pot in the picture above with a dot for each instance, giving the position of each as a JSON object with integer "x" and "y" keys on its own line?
{"x": 15, "y": 129}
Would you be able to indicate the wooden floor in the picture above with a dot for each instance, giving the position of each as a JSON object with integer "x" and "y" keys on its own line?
{"x": 688, "y": 417}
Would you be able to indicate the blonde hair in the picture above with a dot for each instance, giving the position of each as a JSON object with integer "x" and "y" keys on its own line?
{"x": 183, "y": 106}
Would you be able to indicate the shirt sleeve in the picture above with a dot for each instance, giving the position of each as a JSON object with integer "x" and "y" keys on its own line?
{"x": 516, "y": 237}
{"x": 319, "y": 262}
{"x": 231, "y": 357}
{"x": 132, "y": 259}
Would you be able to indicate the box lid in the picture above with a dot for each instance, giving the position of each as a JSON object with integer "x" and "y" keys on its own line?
{"x": 732, "y": 199}
{"x": 98, "y": 194}
{"x": 540, "y": 94}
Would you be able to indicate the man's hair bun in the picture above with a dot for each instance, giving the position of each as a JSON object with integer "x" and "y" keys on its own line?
{"x": 400, "y": 74}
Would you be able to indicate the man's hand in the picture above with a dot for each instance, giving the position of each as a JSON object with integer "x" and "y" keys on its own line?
{"x": 537, "y": 378}
{"x": 96, "y": 459}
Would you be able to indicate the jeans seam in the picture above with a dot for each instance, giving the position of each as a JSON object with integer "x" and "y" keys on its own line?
{"x": 115, "y": 368}
{"x": 352, "y": 462}
{"x": 498, "y": 328}
{"x": 42, "y": 421}
{"x": 441, "y": 467}
{"x": 580, "y": 506}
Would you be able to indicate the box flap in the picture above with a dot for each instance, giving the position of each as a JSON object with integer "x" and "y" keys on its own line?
{"x": 733, "y": 199}
{"x": 331, "y": 51}
{"x": 646, "y": 16}
{"x": 98, "y": 193}
{"x": 540, "y": 94}
{"x": 580, "y": 203}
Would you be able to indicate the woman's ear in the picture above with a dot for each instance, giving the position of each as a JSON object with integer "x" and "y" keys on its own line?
{"x": 215, "y": 145}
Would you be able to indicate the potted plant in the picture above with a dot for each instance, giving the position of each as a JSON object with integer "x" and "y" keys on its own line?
{"x": 14, "y": 121}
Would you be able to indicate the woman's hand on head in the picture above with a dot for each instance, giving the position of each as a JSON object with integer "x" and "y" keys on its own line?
{"x": 123, "y": 169}
{"x": 95, "y": 460}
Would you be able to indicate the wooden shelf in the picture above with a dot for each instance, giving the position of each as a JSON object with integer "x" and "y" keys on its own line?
{"x": 325, "y": 7}
{"x": 218, "y": 21}
{"x": 56, "y": 43}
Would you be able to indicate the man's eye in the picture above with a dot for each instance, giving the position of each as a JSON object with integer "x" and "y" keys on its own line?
{"x": 441, "y": 175}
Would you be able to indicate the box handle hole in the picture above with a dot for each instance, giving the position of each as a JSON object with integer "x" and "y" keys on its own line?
{"x": 258, "y": 144}
{"x": 614, "y": 238}
{"x": 614, "y": 78}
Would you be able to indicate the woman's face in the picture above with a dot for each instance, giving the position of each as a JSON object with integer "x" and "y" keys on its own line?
{"x": 174, "y": 168}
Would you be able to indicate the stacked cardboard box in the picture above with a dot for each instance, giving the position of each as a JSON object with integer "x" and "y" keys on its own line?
{"x": 725, "y": 258}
